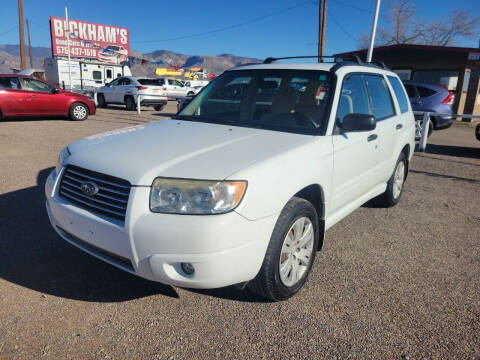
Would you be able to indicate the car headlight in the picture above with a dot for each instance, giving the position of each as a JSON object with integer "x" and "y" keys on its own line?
{"x": 181, "y": 196}
{"x": 64, "y": 154}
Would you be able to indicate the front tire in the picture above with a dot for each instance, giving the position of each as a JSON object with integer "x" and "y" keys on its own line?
{"x": 395, "y": 184}
{"x": 290, "y": 253}
{"x": 159, "y": 107}
{"x": 78, "y": 112}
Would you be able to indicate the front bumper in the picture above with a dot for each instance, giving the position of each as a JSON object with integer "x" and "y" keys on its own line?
{"x": 224, "y": 249}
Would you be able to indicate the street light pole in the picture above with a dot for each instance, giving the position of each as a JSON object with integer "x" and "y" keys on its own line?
{"x": 374, "y": 30}
{"x": 68, "y": 44}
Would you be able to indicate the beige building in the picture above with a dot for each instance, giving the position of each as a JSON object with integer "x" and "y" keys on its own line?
{"x": 458, "y": 68}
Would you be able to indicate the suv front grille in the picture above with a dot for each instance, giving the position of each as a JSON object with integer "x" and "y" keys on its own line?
{"x": 111, "y": 199}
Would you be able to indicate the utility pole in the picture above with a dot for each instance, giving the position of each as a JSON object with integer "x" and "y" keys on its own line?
{"x": 29, "y": 45}
{"x": 374, "y": 30}
{"x": 322, "y": 22}
{"x": 23, "y": 62}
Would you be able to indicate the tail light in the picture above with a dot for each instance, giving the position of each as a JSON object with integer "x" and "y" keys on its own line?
{"x": 142, "y": 87}
{"x": 450, "y": 97}
{"x": 164, "y": 88}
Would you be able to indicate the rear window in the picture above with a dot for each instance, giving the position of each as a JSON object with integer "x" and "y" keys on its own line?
{"x": 153, "y": 82}
{"x": 9, "y": 83}
{"x": 425, "y": 92}
{"x": 399, "y": 93}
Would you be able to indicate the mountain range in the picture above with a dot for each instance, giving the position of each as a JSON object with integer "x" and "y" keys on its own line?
{"x": 10, "y": 58}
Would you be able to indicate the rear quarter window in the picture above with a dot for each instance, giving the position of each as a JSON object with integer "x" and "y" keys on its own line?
{"x": 399, "y": 93}
{"x": 425, "y": 92}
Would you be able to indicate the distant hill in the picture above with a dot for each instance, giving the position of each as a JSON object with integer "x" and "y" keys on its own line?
{"x": 10, "y": 57}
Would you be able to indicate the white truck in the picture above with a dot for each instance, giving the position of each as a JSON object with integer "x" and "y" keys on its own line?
{"x": 86, "y": 76}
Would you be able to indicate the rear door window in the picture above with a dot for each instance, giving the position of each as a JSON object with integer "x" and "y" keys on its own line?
{"x": 381, "y": 100}
{"x": 399, "y": 93}
{"x": 9, "y": 83}
{"x": 425, "y": 92}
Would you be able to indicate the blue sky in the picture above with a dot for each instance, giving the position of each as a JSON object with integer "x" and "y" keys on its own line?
{"x": 153, "y": 22}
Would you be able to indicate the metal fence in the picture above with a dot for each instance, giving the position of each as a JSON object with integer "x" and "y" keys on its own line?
{"x": 424, "y": 124}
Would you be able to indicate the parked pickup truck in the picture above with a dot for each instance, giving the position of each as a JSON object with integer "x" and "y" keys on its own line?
{"x": 239, "y": 186}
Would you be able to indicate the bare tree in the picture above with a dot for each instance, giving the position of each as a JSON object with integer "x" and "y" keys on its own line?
{"x": 446, "y": 31}
{"x": 404, "y": 27}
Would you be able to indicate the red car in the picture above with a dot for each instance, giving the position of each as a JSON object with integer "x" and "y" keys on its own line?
{"x": 27, "y": 96}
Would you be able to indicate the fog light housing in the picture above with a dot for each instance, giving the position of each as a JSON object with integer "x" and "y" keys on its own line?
{"x": 188, "y": 268}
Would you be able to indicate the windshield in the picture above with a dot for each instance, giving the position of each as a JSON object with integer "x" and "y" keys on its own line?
{"x": 276, "y": 99}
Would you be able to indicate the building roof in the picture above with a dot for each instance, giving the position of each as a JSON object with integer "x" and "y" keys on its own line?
{"x": 414, "y": 47}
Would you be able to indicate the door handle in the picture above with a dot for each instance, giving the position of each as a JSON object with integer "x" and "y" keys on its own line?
{"x": 372, "y": 137}
{"x": 33, "y": 96}
{"x": 398, "y": 127}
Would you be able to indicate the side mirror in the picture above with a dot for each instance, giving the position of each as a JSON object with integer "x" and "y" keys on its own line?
{"x": 107, "y": 84}
{"x": 56, "y": 90}
{"x": 358, "y": 122}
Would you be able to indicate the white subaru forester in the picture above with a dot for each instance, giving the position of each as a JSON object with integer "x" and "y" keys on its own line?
{"x": 240, "y": 186}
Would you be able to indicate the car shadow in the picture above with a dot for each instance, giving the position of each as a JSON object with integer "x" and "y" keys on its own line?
{"x": 32, "y": 255}
{"x": 458, "y": 151}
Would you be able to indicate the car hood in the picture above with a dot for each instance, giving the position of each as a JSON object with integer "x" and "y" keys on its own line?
{"x": 175, "y": 148}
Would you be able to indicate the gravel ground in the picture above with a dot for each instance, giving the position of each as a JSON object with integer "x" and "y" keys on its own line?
{"x": 399, "y": 283}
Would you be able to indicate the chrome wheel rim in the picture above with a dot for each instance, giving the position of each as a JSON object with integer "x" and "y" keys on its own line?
{"x": 79, "y": 112}
{"x": 398, "y": 179}
{"x": 296, "y": 251}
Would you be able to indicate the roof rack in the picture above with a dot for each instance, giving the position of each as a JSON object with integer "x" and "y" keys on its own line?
{"x": 353, "y": 58}
{"x": 379, "y": 63}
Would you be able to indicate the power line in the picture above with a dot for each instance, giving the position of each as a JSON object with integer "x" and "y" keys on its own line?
{"x": 342, "y": 28}
{"x": 9, "y": 30}
{"x": 229, "y": 27}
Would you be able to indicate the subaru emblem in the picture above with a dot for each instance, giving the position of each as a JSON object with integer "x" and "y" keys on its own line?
{"x": 89, "y": 188}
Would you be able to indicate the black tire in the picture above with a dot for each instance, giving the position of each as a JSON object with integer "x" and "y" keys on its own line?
{"x": 78, "y": 111}
{"x": 159, "y": 107}
{"x": 101, "y": 101}
{"x": 388, "y": 198}
{"x": 268, "y": 283}
{"x": 130, "y": 103}
{"x": 191, "y": 93}
{"x": 431, "y": 126}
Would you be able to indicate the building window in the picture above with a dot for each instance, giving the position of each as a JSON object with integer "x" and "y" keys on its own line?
{"x": 97, "y": 75}
{"x": 466, "y": 81}
{"x": 447, "y": 78}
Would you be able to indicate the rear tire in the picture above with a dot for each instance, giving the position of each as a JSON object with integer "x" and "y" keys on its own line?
{"x": 395, "y": 184}
{"x": 130, "y": 103}
{"x": 159, "y": 107}
{"x": 78, "y": 112}
{"x": 191, "y": 93}
{"x": 101, "y": 101}
{"x": 290, "y": 253}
